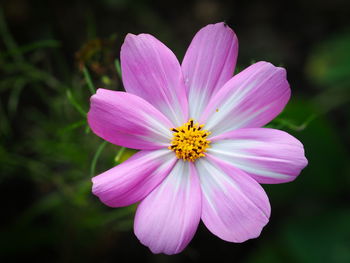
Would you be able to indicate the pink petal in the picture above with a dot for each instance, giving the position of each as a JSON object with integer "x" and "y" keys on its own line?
{"x": 134, "y": 179}
{"x": 251, "y": 98}
{"x": 268, "y": 155}
{"x": 208, "y": 64}
{"x": 151, "y": 71}
{"x": 128, "y": 120}
{"x": 167, "y": 219}
{"x": 234, "y": 206}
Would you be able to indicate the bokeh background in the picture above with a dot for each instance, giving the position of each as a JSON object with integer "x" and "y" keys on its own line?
{"x": 52, "y": 53}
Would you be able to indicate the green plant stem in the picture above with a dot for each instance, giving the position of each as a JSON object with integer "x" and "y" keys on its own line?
{"x": 119, "y": 154}
{"x": 75, "y": 104}
{"x": 294, "y": 127}
{"x": 118, "y": 68}
{"x": 73, "y": 126}
{"x": 88, "y": 80}
{"x": 95, "y": 158}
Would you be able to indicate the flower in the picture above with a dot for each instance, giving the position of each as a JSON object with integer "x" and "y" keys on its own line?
{"x": 202, "y": 152}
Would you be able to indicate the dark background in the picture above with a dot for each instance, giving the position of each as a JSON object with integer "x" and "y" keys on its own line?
{"x": 50, "y": 49}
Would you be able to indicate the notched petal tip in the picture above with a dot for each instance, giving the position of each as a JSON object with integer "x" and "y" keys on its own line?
{"x": 130, "y": 37}
{"x": 167, "y": 219}
{"x": 235, "y": 207}
{"x": 133, "y": 37}
{"x": 100, "y": 93}
{"x": 208, "y": 64}
{"x": 223, "y": 26}
{"x": 268, "y": 155}
{"x": 270, "y": 66}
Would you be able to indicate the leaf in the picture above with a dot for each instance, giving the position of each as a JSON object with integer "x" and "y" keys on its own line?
{"x": 329, "y": 64}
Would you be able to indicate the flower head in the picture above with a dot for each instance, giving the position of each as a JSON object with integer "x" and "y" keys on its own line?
{"x": 202, "y": 152}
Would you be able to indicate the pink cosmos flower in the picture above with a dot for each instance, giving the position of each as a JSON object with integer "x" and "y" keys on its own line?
{"x": 202, "y": 152}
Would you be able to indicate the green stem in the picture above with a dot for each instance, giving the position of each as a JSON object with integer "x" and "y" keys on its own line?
{"x": 293, "y": 126}
{"x": 88, "y": 80}
{"x": 118, "y": 68}
{"x": 119, "y": 154}
{"x": 95, "y": 158}
{"x": 75, "y": 104}
{"x": 72, "y": 126}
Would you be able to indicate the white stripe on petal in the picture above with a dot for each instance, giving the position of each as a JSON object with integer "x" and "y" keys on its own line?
{"x": 128, "y": 120}
{"x": 168, "y": 217}
{"x": 268, "y": 155}
{"x": 208, "y": 64}
{"x": 251, "y": 98}
{"x": 134, "y": 179}
{"x": 234, "y": 206}
{"x": 152, "y": 71}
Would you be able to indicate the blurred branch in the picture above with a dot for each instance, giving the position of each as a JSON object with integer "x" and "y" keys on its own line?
{"x": 118, "y": 68}
{"x": 9, "y": 42}
{"x": 14, "y": 96}
{"x": 33, "y": 46}
{"x": 5, "y": 126}
{"x": 95, "y": 158}
{"x": 24, "y": 69}
{"x": 72, "y": 126}
{"x": 88, "y": 80}
{"x": 287, "y": 123}
{"x": 75, "y": 104}
{"x": 331, "y": 98}
{"x": 119, "y": 154}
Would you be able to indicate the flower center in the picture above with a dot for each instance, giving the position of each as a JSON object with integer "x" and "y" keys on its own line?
{"x": 190, "y": 141}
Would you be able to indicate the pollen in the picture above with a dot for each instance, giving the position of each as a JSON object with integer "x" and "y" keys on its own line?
{"x": 190, "y": 141}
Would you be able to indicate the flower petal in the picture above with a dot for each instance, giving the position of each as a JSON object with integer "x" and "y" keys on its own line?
{"x": 268, "y": 155}
{"x": 234, "y": 206}
{"x": 251, "y": 99}
{"x": 168, "y": 217}
{"x": 151, "y": 71}
{"x": 128, "y": 120}
{"x": 135, "y": 178}
{"x": 208, "y": 64}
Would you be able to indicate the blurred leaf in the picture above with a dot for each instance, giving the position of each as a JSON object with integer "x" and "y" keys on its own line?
{"x": 5, "y": 126}
{"x": 329, "y": 64}
{"x": 118, "y": 68}
{"x": 46, "y": 43}
{"x": 14, "y": 96}
{"x": 106, "y": 80}
{"x": 124, "y": 154}
{"x": 321, "y": 237}
{"x": 9, "y": 41}
{"x": 325, "y": 152}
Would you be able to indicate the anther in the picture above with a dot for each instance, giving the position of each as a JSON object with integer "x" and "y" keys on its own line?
{"x": 189, "y": 142}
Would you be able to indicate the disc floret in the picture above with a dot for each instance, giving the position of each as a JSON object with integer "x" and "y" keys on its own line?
{"x": 190, "y": 141}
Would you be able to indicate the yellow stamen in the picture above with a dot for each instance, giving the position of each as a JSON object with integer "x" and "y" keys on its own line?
{"x": 190, "y": 141}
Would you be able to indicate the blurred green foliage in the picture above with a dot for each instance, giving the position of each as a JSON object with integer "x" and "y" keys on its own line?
{"x": 47, "y": 148}
{"x": 48, "y": 154}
